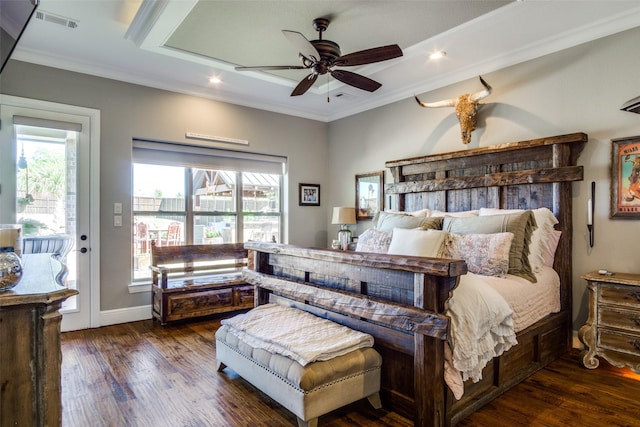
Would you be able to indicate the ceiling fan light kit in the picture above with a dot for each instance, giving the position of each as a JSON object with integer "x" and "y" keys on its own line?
{"x": 321, "y": 56}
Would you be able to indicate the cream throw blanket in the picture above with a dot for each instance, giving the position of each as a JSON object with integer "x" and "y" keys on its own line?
{"x": 481, "y": 328}
{"x": 295, "y": 333}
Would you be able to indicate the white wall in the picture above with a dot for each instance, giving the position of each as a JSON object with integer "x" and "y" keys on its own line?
{"x": 577, "y": 90}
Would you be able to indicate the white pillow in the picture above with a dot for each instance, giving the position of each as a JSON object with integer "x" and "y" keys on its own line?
{"x": 549, "y": 254}
{"x": 421, "y": 212}
{"x": 417, "y": 242}
{"x": 541, "y": 236}
{"x": 461, "y": 214}
{"x": 544, "y": 217}
{"x": 485, "y": 254}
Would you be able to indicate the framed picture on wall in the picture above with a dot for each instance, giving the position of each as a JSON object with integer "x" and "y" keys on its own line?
{"x": 625, "y": 178}
{"x": 309, "y": 194}
{"x": 369, "y": 194}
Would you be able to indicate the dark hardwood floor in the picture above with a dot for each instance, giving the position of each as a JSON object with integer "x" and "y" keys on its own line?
{"x": 143, "y": 374}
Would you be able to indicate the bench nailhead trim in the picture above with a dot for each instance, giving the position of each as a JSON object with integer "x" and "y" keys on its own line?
{"x": 289, "y": 383}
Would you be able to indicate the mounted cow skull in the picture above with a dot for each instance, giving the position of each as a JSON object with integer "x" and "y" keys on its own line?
{"x": 466, "y": 109}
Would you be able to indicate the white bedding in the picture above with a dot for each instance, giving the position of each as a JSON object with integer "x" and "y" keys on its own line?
{"x": 481, "y": 328}
{"x": 296, "y": 334}
{"x": 530, "y": 302}
{"x": 486, "y": 312}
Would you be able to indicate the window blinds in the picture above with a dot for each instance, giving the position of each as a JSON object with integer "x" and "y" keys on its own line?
{"x": 181, "y": 154}
{"x": 46, "y": 123}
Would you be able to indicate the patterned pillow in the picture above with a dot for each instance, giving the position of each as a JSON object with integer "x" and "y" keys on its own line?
{"x": 521, "y": 225}
{"x": 375, "y": 241}
{"x": 486, "y": 254}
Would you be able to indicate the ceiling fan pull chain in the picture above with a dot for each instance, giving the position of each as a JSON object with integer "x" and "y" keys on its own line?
{"x": 328, "y": 79}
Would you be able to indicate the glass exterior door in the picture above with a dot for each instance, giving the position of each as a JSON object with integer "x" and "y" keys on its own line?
{"x": 47, "y": 197}
{"x": 47, "y": 188}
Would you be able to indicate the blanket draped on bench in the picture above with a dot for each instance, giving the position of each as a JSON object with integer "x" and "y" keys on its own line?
{"x": 296, "y": 334}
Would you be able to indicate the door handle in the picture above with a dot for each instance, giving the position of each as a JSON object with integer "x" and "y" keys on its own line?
{"x": 83, "y": 250}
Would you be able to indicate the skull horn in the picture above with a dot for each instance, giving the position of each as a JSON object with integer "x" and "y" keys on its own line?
{"x": 444, "y": 103}
{"x": 483, "y": 93}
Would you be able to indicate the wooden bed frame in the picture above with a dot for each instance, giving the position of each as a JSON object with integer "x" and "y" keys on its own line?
{"x": 522, "y": 175}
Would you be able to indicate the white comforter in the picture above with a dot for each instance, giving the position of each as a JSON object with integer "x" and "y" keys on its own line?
{"x": 486, "y": 312}
{"x": 481, "y": 329}
{"x": 530, "y": 302}
{"x": 296, "y": 334}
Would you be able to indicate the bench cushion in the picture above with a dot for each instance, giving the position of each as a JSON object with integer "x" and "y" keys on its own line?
{"x": 308, "y": 391}
{"x": 295, "y": 333}
{"x": 309, "y": 377}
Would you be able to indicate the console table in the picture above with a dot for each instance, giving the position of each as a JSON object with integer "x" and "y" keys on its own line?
{"x": 30, "y": 355}
{"x": 613, "y": 328}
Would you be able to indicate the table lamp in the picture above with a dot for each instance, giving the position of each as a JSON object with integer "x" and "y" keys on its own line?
{"x": 344, "y": 217}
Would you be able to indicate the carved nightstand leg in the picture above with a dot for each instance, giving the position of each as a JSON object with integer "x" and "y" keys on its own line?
{"x": 589, "y": 360}
{"x": 587, "y": 335}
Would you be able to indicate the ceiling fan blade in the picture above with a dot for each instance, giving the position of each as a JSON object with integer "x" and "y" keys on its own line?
{"x": 271, "y": 67}
{"x": 303, "y": 45}
{"x": 305, "y": 84}
{"x": 355, "y": 80}
{"x": 369, "y": 56}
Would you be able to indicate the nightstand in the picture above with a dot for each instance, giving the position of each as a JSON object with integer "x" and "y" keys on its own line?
{"x": 613, "y": 328}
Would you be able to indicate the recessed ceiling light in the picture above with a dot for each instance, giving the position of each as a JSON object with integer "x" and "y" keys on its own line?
{"x": 215, "y": 80}
{"x": 438, "y": 54}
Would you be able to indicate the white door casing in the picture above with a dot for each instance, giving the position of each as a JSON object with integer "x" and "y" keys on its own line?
{"x": 88, "y": 201}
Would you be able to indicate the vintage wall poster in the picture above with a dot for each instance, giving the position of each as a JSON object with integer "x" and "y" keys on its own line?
{"x": 625, "y": 177}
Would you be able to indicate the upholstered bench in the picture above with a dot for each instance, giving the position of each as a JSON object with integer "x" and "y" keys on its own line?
{"x": 308, "y": 391}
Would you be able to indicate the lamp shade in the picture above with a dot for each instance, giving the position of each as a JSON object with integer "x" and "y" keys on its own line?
{"x": 343, "y": 216}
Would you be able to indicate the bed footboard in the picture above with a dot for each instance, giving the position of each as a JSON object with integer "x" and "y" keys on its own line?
{"x": 399, "y": 300}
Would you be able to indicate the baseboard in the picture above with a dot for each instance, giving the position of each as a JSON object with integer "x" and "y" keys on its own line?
{"x": 125, "y": 315}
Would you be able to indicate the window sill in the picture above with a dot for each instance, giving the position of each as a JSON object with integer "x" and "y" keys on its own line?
{"x": 135, "y": 288}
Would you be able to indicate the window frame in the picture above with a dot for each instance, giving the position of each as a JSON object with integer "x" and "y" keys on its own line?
{"x": 189, "y": 213}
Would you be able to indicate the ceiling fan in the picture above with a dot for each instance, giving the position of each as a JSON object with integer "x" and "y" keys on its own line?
{"x": 321, "y": 56}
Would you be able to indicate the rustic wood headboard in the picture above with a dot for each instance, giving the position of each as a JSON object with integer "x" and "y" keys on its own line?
{"x": 519, "y": 175}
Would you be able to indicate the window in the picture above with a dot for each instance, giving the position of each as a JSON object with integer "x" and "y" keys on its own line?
{"x": 158, "y": 202}
{"x": 189, "y": 203}
{"x": 42, "y": 194}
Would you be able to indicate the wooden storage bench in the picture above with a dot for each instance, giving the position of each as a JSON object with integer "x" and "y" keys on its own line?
{"x": 191, "y": 281}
